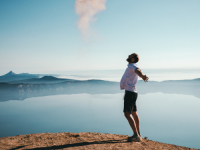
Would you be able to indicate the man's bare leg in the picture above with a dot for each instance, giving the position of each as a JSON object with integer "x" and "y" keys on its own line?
{"x": 131, "y": 122}
{"x": 137, "y": 120}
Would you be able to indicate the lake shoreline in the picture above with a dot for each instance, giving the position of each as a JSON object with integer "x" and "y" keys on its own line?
{"x": 82, "y": 140}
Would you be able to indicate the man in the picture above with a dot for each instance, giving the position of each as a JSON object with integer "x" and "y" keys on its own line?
{"x": 128, "y": 82}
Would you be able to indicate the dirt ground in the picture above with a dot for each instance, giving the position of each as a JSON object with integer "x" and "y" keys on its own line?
{"x": 80, "y": 141}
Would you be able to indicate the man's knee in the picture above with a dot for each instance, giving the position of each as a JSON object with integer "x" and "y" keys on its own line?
{"x": 135, "y": 115}
{"x": 127, "y": 115}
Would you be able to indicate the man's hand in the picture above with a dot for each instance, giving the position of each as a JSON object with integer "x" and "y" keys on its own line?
{"x": 145, "y": 78}
{"x": 140, "y": 74}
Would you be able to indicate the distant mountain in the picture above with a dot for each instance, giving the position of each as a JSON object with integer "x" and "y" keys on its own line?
{"x": 49, "y": 85}
{"x": 22, "y": 91}
{"x": 49, "y": 78}
{"x": 186, "y": 87}
{"x": 45, "y": 79}
{"x": 11, "y": 76}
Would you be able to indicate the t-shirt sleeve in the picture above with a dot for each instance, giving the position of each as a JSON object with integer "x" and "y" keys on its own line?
{"x": 134, "y": 66}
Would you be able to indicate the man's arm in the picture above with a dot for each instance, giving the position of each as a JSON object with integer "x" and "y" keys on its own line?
{"x": 141, "y": 75}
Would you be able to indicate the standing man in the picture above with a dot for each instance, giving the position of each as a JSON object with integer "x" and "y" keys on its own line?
{"x": 128, "y": 82}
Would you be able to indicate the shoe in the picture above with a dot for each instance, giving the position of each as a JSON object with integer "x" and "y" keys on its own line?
{"x": 135, "y": 138}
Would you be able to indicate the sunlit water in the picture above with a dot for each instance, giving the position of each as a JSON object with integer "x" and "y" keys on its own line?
{"x": 168, "y": 118}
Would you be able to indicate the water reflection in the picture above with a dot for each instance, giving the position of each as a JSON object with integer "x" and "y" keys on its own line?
{"x": 23, "y": 91}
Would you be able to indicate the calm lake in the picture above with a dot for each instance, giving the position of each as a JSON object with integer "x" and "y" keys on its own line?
{"x": 168, "y": 118}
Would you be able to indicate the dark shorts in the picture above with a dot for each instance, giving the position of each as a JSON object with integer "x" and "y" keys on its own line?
{"x": 130, "y": 101}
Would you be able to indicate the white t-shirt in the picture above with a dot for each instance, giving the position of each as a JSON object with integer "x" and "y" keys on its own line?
{"x": 129, "y": 79}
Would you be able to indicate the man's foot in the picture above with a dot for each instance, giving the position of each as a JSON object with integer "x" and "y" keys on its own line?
{"x": 135, "y": 138}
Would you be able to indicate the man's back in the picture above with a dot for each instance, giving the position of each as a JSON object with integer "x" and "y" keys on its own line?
{"x": 129, "y": 79}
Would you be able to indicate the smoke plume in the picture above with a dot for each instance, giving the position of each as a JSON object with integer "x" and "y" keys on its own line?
{"x": 86, "y": 9}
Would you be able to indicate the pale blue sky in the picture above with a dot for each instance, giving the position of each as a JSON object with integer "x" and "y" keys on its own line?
{"x": 41, "y": 36}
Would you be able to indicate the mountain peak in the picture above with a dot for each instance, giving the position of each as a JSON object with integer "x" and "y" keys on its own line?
{"x": 10, "y": 73}
{"x": 48, "y": 78}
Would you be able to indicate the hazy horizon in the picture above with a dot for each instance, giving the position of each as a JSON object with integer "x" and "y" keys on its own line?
{"x": 116, "y": 74}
